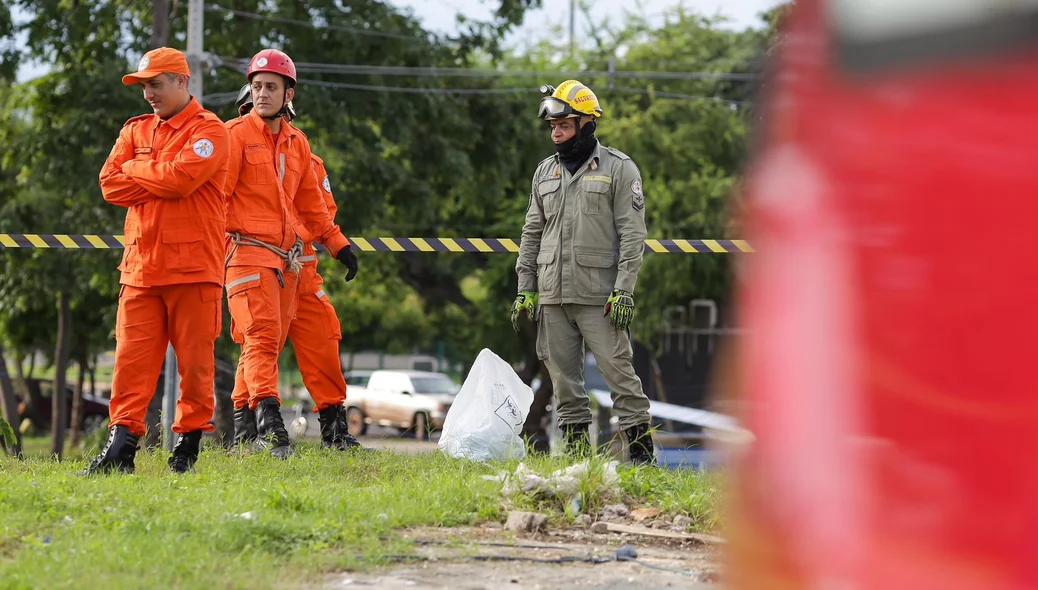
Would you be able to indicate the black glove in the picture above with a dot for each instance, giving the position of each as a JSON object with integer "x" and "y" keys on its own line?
{"x": 349, "y": 260}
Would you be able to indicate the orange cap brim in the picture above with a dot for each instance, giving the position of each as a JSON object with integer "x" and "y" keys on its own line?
{"x": 138, "y": 77}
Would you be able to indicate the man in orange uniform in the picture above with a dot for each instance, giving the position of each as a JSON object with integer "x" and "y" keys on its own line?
{"x": 168, "y": 169}
{"x": 275, "y": 204}
{"x": 315, "y": 333}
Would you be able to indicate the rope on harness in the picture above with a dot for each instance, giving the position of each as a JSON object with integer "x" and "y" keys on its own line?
{"x": 290, "y": 257}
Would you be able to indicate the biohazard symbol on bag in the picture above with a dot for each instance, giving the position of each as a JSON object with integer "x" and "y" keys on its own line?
{"x": 509, "y": 412}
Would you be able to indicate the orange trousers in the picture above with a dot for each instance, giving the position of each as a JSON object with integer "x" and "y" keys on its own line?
{"x": 261, "y": 312}
{"x": 315, "y": 333}
{"x": 149, "y": 318}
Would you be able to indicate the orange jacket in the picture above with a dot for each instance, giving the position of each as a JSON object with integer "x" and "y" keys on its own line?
{"x": 265, "y": 209}
{"x": 170, "y": 175}
{"x": 310, "y": 281}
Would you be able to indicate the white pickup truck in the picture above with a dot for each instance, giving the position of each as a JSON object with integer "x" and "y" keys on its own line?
{"x": 408, "y": 400}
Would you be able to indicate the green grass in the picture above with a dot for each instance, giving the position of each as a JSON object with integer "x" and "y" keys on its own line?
{"x": 318, "y": 512}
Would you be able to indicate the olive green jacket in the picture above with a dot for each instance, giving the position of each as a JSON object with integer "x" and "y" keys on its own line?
{"x": 584, "y": 233}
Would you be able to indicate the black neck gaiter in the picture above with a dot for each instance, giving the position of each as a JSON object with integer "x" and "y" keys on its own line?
{"x": 575, "y": 151}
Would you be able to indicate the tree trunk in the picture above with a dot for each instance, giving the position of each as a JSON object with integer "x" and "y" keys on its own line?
{"x": 10, "y": 403}
{"x": 159, "y": 23}
{"x": 32, "y": 364}
{"x": 59, "y": 411}
{"x": 93, "y": 377}
{"x": 77, "y": 401}
{"x": 30, "y": 397}
{"x": 19, "y": 374}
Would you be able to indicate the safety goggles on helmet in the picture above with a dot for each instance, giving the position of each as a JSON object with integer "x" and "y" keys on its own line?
{"x": 244, "y": 98}
{"x": 556, "y": 108}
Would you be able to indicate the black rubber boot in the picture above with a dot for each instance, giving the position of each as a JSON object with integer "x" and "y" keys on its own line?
{"x": 639, "y": 445}
{"x": 185, "y": 452}
{"x": 244, "y": 426}
{"x": 335, "y": 432}
{"x": 117, "y": 454}
{"x": 577, "y": 439}
{"x": 271, "y": 428}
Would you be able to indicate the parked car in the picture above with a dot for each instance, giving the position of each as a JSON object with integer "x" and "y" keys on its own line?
{"x": 407, "y": 400}
{"x": 357, "y": 378}
{"x": 95, "y": 409}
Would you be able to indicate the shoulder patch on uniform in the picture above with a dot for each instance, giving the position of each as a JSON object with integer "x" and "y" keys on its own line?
{"x": 203, "y": 148}
{"x": 639, "y": 198}
{"x": 326, "y": 184}
{"x": 616, "y": 152}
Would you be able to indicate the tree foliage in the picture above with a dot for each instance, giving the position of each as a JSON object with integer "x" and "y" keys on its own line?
{"x": 424, "y": 162}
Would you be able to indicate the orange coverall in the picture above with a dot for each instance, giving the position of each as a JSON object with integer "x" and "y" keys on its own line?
{"x": 274, "y": 198}
{"x": 315, "y": 331}
{"x": 170, "y": 175}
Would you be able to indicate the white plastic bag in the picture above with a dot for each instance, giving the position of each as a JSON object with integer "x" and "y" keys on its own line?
{"x": 488, "y": 413}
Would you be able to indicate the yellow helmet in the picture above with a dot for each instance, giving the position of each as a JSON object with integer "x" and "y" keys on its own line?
{"x": 570, "y": 99}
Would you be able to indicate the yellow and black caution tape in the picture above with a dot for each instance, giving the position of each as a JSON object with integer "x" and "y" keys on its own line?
{"x": 87, "y": 242}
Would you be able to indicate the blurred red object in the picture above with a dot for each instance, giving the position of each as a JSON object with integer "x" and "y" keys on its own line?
{"x": 892, "y": 304}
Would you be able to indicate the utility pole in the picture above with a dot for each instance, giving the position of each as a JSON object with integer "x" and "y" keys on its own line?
{"x": 195, "y": 51}
{"x": 169, "y": 398}
{"x": 196, "y": 63}
{"x": 572, "y": 24}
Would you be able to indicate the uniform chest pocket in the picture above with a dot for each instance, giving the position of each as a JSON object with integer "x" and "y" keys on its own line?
{"x": 550, "y": 194}
{"x": 594, "y": 198}
{"x": 259, "y": 167}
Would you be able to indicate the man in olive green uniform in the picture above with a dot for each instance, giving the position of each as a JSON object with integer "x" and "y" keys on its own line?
{"x": 579, "y": 258}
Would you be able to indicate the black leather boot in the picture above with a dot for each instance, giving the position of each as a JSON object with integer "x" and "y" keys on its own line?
{"x": 185, "y": 452}
{"x": 244, "y": 426}
{"x": 335, "y": 432}
{"x": 117, "y": 454}
{"x": 271, "y": 428}
{"x": 577, "y": 439}
{"x": 639, "y": 445}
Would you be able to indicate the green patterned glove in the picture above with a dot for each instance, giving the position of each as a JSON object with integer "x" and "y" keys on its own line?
{"x": 525, "y": 301}
{"x": 620, "y": 309}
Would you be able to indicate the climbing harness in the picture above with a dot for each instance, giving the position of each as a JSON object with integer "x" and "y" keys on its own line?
{"x": 291, "y": 257}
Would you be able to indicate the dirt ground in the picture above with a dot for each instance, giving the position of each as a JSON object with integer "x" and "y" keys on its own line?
{"x": 485, "y": 558}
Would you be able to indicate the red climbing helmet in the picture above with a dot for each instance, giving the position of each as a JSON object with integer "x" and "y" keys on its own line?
{"x": 274, "y": 61}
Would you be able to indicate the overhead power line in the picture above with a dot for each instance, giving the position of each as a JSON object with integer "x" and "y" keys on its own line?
{"x": 678, "y": 96}
{"x": 414, "y": 90}
{"x": 229, "y": 97}
{"x": 460, "y": 72}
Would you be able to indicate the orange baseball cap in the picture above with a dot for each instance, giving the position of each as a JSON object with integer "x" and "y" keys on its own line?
{"x": 164, "y": 60}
